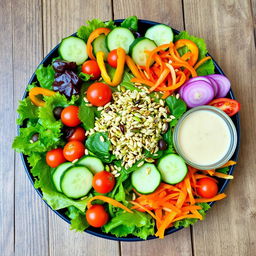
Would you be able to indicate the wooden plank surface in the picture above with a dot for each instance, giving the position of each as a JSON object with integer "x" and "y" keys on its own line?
{"x": 229, "y": 226}
{"x": 168, "y": 12}
{"x": 31, "y": 219}
{"x": 7, "y": 130}
{"x": 59, "y": 21}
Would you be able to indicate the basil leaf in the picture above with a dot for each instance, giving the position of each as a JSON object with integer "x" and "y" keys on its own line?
{"x": 87, "y": 116}
{"x": 177, "y": 106}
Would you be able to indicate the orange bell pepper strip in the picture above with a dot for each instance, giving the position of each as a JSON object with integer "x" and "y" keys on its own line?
{"x": 36, "y": 91}
{"x": 119, "y": 70}
{"x": 108, "y": 200}
{"x": 160, "y": 80}
{"x": 215, "y": 198}
{"x": 202, "y": 61}
{"x": 175, "y": 86}
{"x": 97, "y": 32}
{"x": 187, "y": 66}
{"x": 229, "y": 163}
{"x": 192, "y": 48}
{"x": 132, "y": 66}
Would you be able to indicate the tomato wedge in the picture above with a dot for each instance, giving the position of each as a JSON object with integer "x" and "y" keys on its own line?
{"x": 229, "y": 106}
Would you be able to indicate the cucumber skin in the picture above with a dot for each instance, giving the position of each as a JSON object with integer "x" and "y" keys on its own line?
{"x": 84, "y": 157}
{"x": 162, "y": 175}
{"x": 136, "y": 41}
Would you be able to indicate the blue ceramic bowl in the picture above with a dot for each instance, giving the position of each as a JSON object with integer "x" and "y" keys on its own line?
{"x": 143, "y": 26}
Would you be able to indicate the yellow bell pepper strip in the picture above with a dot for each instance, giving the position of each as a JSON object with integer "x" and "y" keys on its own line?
{"x": 229, "y": 163}
{"x": 108, "y": 200}
{"x": 132, "y": 66}
{"x": 97, "y": 32}
{"x": 202, "y": 61}
{"x": 119, "y": 70}
{"x": 34, "y": 92}
{"x": 192, "y": 48}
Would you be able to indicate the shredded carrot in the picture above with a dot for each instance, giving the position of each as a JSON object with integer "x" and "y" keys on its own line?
{"x": 185, "y": 65}
{"x": 161, "y": 78}
{"x": 191, "y": 216}
{"x": 206, "y": 200}
{"x": 229, "y": 163}
{"x": 108, "y": 200}
{"x": 145, "y": 209}
{"x": 189, "y": 190}
{"x": 202, "y": 61}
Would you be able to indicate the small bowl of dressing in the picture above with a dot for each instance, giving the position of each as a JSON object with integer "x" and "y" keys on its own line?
{"x": 205, "y": 137}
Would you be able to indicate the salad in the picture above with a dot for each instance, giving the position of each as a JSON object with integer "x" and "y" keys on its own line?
{"x": 97, "y": 128}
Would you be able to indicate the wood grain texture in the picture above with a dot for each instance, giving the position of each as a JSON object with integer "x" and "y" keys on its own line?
{"x": 7, "y": 131}
{"x": 59, "y": 21}
{"x": 31, "y": 219}
{"x": 229, "y": 226}
{"x": 169, "y": 12}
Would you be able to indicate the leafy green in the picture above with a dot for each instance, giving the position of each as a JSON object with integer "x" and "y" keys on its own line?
{"x": 177, "y": 106}
{"x": 30, "y": 86}
{"x": 130, "y": 23}
{"x": 86, "y": 115}
{"x": 186, "y": 222}
{"x": 208, "y": 67}
{"x": 84, "y": 77}
{"x": 78, "y": 219}
{"x": 126, "y": 82}
{"x": 45, "y": 76}
{"x": 85, "y": 31}
{"x": 168, "y": 139}
{"x": 27, "y": 110}
{"x": 156, "y": 155}
{"x": 124, "y": 223}
{"x": 224, "y": 170}
{"x": 120, "y": 195}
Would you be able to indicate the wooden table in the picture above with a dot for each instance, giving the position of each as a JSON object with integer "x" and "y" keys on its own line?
{"x": 30, "y": 28}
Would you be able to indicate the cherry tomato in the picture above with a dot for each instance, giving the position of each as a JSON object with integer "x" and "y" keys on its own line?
{"x": 112, "y": 58}
{"x": 69, "y": 116}
{"x": 207, "y": 188}
{"x": 91, "y": 67}
{"x": 103, "y": 182}
{"x": 97, "y": 216}
{"x": 55, "y": 157}
{"x": 229, "y": 106}
{"x": 79, "y": 134}
{"x": 99, "y": 94}
{"x": 73, "y": 150}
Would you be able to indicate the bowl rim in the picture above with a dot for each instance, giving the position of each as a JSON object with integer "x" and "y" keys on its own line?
{"x": 235, "y": 119}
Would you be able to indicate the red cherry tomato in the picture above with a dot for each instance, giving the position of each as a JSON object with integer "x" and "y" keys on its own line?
{"x": 103, "y": 182}
{"x": 207, "y": 187}
{"x": 91, "y": 67}
{"x": 112, "y": 58}
{"x": 79, "y": 134}
{"x": 73, "y": 150}
{"x": 55, "y": 157}
{"x": 69, "y": 116}
{"x": 229, "y": 106}
{"x": 97, "y": 216}
{"x": 99, "y": 94}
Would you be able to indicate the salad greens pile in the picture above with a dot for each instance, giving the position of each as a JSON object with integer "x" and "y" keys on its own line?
{"x": 41, "y": 132}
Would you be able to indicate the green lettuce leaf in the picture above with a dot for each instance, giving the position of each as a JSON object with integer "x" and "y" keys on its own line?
{"x": 208, "y": 67}
{"x": 87, "y": 116}
{"x": 85, "y": 31}
{"x": 177, "y": 106}
{"x": 84, "y": 77}
{"x": 224, "y": 170}
{"x": 78, "y": 219}
{"x": 186, "y": 222}
{"x": 126, "y": 82}
{"x": 124, "y": 223}
{"x": 120, "y": 195}
{"x": 27, "y": 110}
{"x": 130, "y": 23}
{"x": 45, "y": 76}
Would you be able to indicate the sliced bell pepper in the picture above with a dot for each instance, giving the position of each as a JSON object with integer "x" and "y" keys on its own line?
{"x": 132, "y": 66}
{"x": 36, "y": 91}
{"x": 119, "y": 70}
{"x": 97, "y": 32}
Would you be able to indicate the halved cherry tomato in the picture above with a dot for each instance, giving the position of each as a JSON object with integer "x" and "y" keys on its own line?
{"x": 73, "y": 150}
{"x": 103, "y": 182}
{"x": 97, "y": 216}
{"x": 69, "y": 116}
{"x": 207, "y": 188}
{"x": 112, "y": 58}
{"x": 229, "y": 106}
{"x": 78, "y": 134}
{"x": 91, "y": 67}
{"x": 55, "y": 157}
{"x": 99, "y": 94}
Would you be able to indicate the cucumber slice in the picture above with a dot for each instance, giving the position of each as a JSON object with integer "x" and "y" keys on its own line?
{"x": 57, "y": 173}
{"x": 160, "y": 34}
{"x": 94, "y": 164}
{"x": 138, "y": 48}
{"x": 76, "y": 182}
{"x": 172, "y": 168}
{"x": 73, "y": 49}
{"x": 146, "y": 179}
{"x": 120, "y": 37}
{"x": 99, "y": 44}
